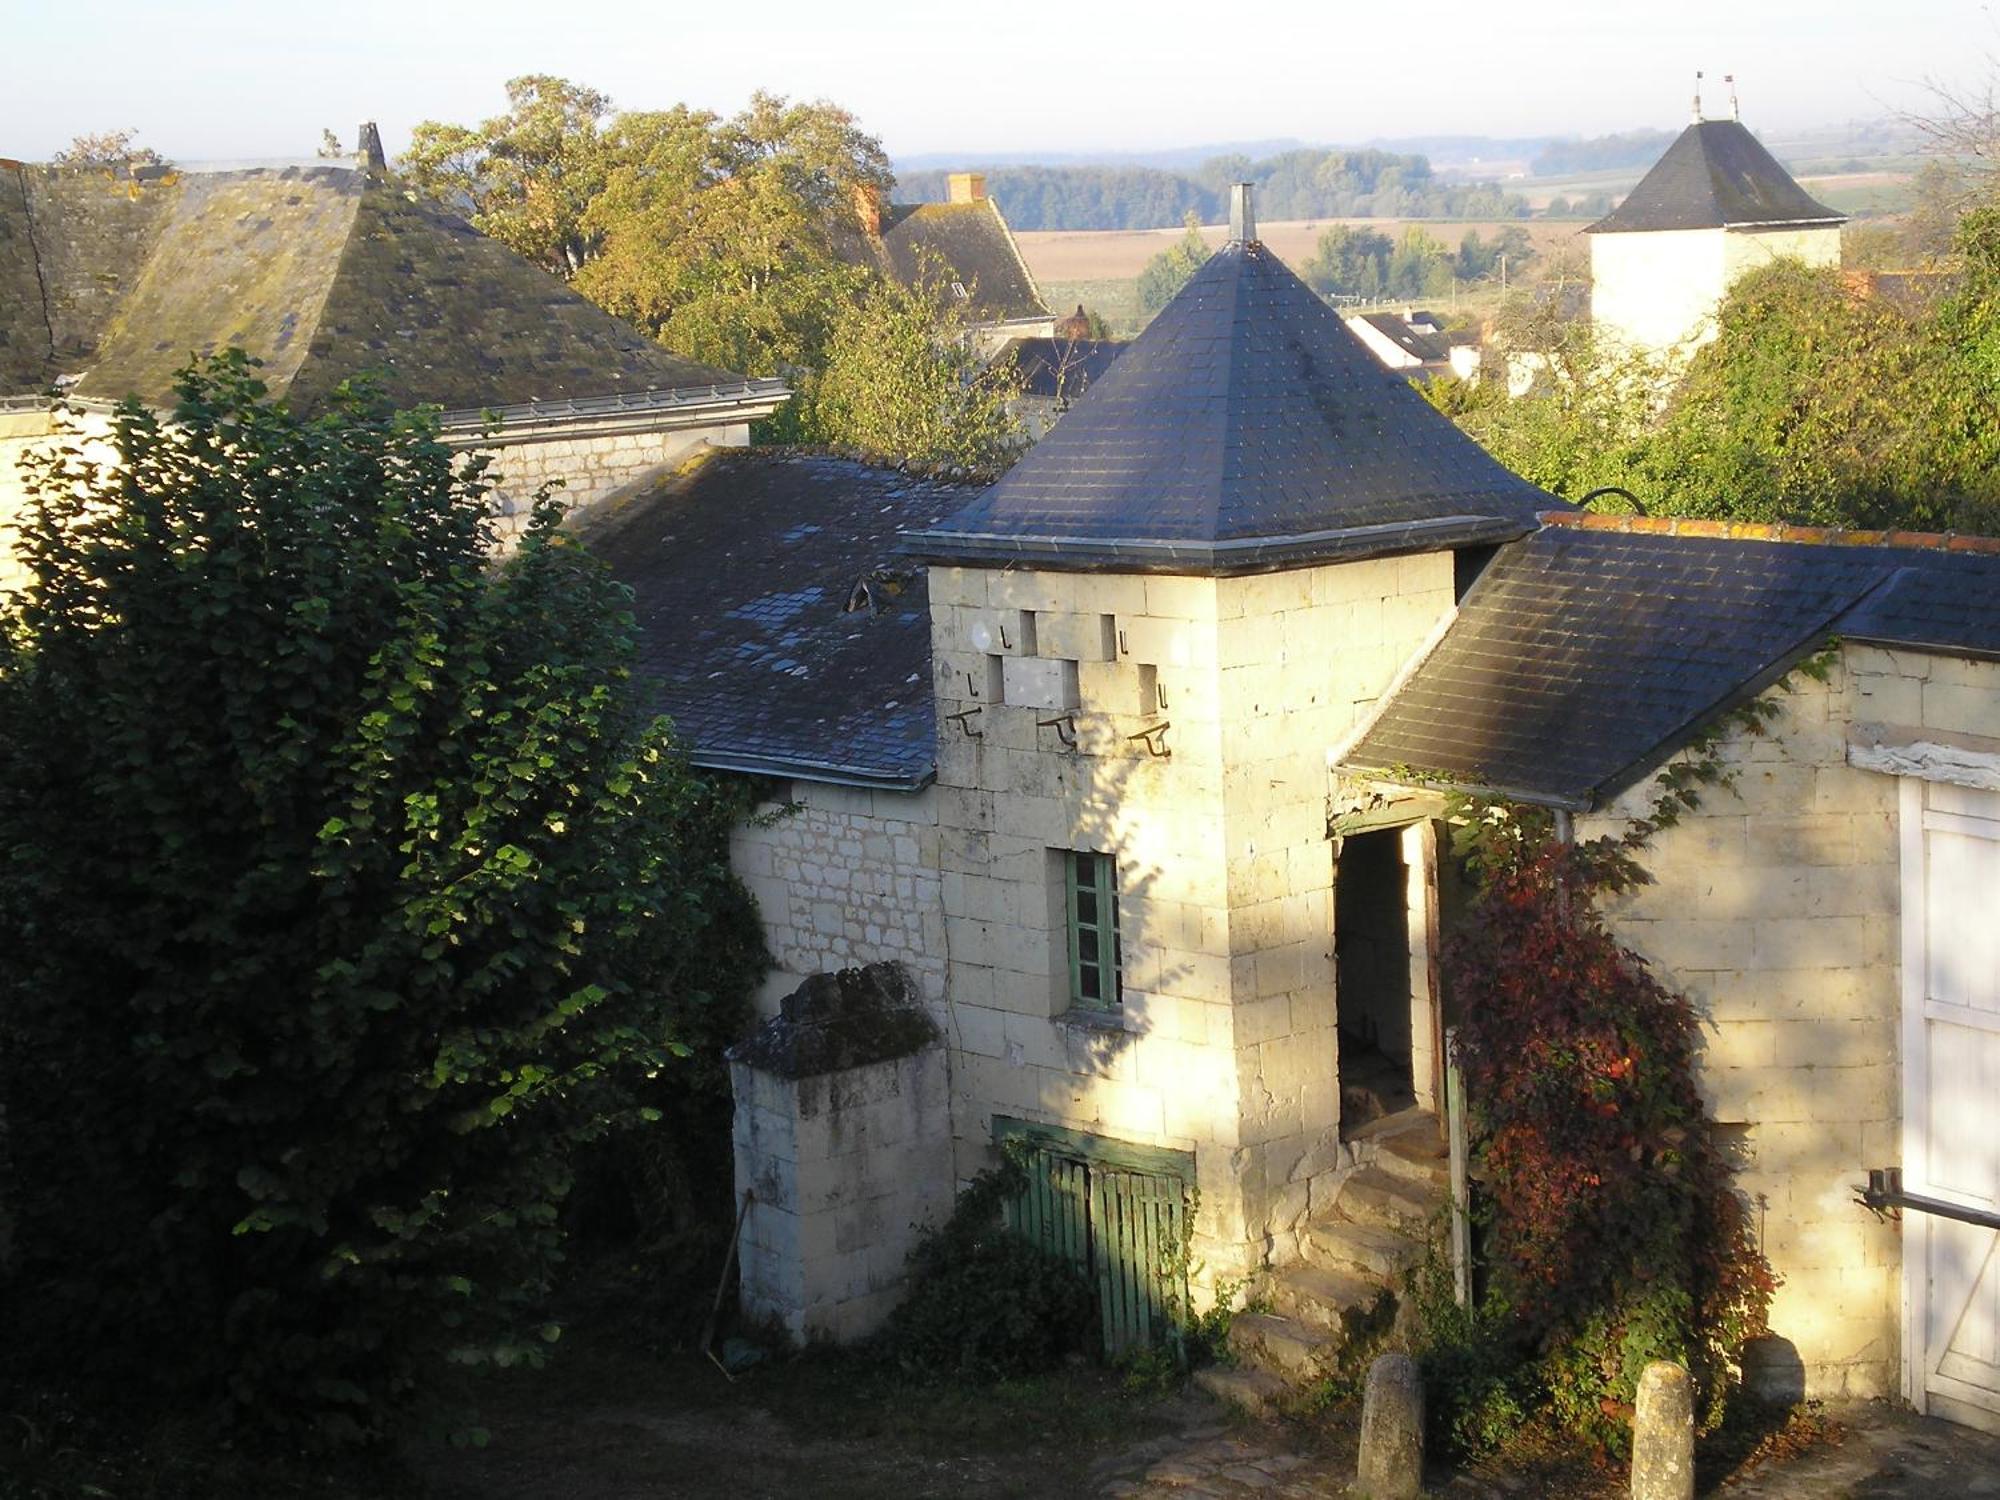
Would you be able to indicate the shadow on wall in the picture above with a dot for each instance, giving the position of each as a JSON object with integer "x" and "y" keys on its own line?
{"x": 1774, "y": 909}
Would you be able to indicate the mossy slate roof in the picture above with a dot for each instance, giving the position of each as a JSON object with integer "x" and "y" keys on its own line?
{"x": 322, "y": 273}
{"x": 742, "y": 570}
{"x": 1716, "y": 175}
{"x": 1583, "y": 655}
{"x": 1247, "y": 428}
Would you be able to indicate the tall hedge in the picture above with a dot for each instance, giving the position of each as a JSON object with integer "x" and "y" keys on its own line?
{"x": 346, "y": 890}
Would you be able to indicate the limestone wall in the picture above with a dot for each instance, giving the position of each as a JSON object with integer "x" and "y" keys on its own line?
{"x": 1653, "y": 291}
{"x": 1224, "y": 1044}
{"x": 841, "y": 1145}
{"x": 1776, "y": 908}
{"x": 846, "y": 876}
{"x": 593, "y": 469}
{"x": 1657, "y": 291}
{"x": 22, "y": 433}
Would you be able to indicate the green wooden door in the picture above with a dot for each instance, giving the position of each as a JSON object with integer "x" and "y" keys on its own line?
{"x": 1124, "y": 1228}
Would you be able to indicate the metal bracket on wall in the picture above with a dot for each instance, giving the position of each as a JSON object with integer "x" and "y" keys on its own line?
{"x": 960, "y": 719}
{"x": 1065, "y": 727}
{"x": 1884, "y": 1197}
{"x": 1155, "y": 739}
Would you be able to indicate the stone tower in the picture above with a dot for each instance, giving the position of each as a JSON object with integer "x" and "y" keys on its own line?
{"x": 1146, "y": 638}
{"x": 1715, "y": 206}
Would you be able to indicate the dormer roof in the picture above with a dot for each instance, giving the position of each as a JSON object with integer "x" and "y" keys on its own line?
{"x": 1246, "y": 429}
{"x": 1716, "y": 175}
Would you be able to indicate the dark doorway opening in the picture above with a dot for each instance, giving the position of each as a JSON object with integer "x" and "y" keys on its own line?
{"x": 1372, "y": 975}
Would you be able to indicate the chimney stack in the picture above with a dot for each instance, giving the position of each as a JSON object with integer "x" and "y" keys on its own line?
{"x": 1242, "y": 217}
{"x": 1735, "y": 109}
{"x": 368, "y": 149}
{"x": 1697, "y": 96}
{"x": 966, "y": 187}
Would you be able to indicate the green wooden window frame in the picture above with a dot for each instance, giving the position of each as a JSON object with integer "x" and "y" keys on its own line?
{"x": 1096, "y": 952}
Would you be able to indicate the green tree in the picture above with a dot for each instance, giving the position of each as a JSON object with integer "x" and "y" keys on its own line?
{"x": 723, "y": 238}
{"x": 526, "y": 177}
{"x": 348, "y": 893}
{"x": 1349, "y": 262}
{"x": 904, "y": 382}
{"x": 1166, "y": 273}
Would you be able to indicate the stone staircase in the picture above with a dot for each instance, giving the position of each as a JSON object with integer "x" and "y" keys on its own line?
{"x": 1352, "y": 1260}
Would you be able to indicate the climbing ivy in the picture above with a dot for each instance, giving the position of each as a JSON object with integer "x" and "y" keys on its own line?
{"x": 1613, "y": 1230}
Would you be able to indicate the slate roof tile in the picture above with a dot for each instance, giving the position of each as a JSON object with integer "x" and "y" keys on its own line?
{"x": 1584, "y": 655}
{"x": 741, "y": 571}
{"x": 1715, "y": 175}
{"x": 1246, "y": 428}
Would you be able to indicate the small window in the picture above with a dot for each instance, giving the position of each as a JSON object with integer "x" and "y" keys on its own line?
{"x": 1096, "y": 958}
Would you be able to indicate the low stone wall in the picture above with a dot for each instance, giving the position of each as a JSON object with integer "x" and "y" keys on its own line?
{"x": 843, "y": 1140}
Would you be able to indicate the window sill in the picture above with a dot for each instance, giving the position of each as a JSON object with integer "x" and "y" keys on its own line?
{"x": 1093, "y": 1020}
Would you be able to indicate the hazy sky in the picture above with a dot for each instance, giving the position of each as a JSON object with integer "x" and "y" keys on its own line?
{"x": 248, "y": 78}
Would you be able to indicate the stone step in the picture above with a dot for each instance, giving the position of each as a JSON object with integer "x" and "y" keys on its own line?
{"x": 1403, "y": 1121}
{"x": 1255, "y": 1391}
{"x": 1326, "y": 1301}
{"x": 1376, "y": 1196}
{"x": 1417, "y": 1155}
{"x": 1289, "y": 1350}
{"x": 1343, "y": 1245}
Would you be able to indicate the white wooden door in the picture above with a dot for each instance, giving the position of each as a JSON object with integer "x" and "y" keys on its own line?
{"x": 1951, "y": 1096}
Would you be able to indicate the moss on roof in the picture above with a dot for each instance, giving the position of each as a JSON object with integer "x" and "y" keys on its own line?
{"x": 323, "y": 273}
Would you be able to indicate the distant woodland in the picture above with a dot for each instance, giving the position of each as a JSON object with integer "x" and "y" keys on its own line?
{"x": 1303, "y": 184}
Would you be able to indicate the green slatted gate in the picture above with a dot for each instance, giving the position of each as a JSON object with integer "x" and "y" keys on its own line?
{"x": 1120, "y": 1215}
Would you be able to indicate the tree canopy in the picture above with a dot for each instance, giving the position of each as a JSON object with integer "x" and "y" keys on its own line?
{"x": 1166, "y": 273}
{"x": 1818, "y": 401}
{"x": 348, "y": 892}
{"x": 718, "y": 236}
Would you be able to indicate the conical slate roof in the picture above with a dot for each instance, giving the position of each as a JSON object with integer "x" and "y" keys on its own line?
{"x": 1716, "y": 175}
{"x": 1246, "y": 429}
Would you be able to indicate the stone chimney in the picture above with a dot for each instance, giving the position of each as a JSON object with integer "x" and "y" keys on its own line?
{"x": 868, "y": 207}
{"x": 966, "y": 187}
{"x": 368, "y": 149}
{"x": 1242, "y": 217}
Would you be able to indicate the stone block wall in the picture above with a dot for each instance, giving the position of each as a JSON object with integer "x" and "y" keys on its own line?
{"x": 842, "y": 1139}
{"x": 846, "y": 876}
{"x": 1224, "y": 1044}
{"x": 1777, "y": 909}
{"x": 22, "y": 433}
{"x": 593, "y": 468}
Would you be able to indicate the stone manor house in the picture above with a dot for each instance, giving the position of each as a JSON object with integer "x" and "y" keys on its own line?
{"x": 1113, "y": 762}
{"x": 1103, "y": 775}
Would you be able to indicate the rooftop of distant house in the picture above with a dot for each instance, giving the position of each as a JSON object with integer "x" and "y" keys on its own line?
{"x": 968, "y": 239}
{"x": 1716, "y": 175}
{"x": 111, "y": 281}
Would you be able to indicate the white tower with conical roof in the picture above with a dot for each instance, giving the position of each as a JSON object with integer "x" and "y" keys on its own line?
{"x": 1715, "y": 206}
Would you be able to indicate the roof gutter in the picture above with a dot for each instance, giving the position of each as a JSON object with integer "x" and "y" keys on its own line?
{"x": 1239, "y": 555}
{"x": 831, "y": 773}
{"x": 607, "y": 416}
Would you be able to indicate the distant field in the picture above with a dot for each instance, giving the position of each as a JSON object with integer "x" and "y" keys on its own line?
{"x": 1095, "y": 255}
{"x": 1863, "y": 192}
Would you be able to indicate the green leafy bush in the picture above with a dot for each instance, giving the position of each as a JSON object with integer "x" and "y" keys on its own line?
{"x": 984, "y": 1302}
{"x": 347, "y": 893}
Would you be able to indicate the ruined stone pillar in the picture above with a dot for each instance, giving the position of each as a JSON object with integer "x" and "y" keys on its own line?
{"x": 843, "y": 1140}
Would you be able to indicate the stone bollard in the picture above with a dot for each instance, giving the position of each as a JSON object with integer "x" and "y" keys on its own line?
{"x": 1663, "y": 1435}
{"x": 1391, "y": 1466}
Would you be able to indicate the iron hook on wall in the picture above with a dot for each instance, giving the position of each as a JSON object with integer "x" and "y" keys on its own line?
{"x": 1065, "y": 727}
{"x": 960, "y": 719}
{"x": 1155, "y": 739}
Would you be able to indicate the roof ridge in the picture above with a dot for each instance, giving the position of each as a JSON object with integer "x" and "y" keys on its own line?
{"x": 1774, "y": 531}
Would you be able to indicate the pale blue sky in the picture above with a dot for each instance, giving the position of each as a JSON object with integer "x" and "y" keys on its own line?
{"x": 250, "y": 78}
